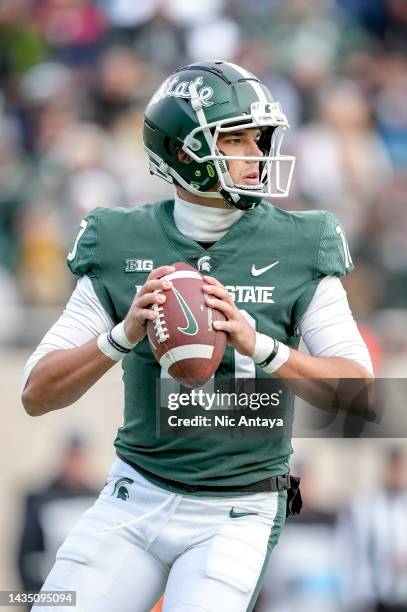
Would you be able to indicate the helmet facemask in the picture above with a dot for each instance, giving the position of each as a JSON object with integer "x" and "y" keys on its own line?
{"x": 276, "y": 169}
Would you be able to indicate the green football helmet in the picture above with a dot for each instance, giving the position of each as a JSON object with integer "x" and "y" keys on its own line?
{"x": 192, "y": 108}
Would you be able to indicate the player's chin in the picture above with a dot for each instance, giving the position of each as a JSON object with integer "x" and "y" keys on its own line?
{"x": 250, "y": 184}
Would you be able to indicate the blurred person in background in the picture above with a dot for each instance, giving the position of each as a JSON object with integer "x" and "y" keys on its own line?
{"x": 123, "y": 82}
{"x": 41, "y": 262}
{"x": 72, "y": 177}
{"x": 389, "y": 85}
{"x": 21, "y": 45}
{"x": 121, "y": 90}
{"x": 305, "y": 41}
{"x": 75, "y": 30}
{"x": 386, "y": 20}
{"x": 15, "y": 174}
{"x": 383, "y": 246}
{"x": 51, "y": 511}
{"x": 349, "y": 162}
{"x": 303, "y": 575}
{"x": 372, "y": 543}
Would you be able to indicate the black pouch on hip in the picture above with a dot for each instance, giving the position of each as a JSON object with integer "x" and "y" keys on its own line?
{"x": 294, "y": 500}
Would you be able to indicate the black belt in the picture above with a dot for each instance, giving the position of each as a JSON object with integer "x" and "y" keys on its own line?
{"x": 272, "y": 484}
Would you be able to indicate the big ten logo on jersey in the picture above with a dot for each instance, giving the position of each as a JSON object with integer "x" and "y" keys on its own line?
{"x": 138, "y": 265}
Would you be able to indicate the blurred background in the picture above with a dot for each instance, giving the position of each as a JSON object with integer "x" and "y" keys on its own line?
{"x": 75, "y": 76}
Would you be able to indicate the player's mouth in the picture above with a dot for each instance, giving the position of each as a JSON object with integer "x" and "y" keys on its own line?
{"x": 252, "y": 179}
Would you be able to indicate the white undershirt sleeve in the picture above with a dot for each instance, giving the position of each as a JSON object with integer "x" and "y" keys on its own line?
{"x": 84, "y": 318}
{"x": 328, "y": 328}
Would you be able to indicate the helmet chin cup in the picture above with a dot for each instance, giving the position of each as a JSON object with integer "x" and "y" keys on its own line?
{"x": 242, "y": 202}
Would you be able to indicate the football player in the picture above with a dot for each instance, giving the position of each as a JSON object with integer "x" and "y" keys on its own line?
{"x": 194, "y": 517}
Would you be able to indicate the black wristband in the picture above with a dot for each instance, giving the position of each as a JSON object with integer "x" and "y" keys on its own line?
{"x": 115, "y": 345}
{"x": 270, "y": 358}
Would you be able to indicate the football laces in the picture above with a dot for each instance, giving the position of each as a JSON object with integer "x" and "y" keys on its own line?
{"x": 160, "y": 327}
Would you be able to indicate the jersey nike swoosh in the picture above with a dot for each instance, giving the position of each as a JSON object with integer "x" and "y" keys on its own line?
{"x": 257, "y": 272}
{"x": 234, "y": 514}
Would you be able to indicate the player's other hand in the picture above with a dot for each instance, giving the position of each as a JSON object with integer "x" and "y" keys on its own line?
{"x": 240, "y": 333}
{"x": 140, "y": 311}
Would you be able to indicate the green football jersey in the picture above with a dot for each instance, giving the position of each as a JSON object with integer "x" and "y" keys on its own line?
{"x": 271, "y": 262}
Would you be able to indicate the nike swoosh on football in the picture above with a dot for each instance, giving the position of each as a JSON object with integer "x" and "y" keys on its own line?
{"x": 191, "y": 328}
{"x": 234, "y": 514}
{"x": 257, "y": 272}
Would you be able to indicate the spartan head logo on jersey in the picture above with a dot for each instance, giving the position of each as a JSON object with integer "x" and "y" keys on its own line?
{"x": 204, "y": 264}
{"x": 196, "y": 105}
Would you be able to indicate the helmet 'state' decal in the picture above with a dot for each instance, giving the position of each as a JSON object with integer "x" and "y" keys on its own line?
{"x": 171, "y": 87}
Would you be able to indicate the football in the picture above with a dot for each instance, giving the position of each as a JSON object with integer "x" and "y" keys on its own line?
{"x": 182, "y": 337}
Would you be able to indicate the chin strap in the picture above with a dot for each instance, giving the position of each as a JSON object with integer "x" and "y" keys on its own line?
{"x": 243, "y": 203}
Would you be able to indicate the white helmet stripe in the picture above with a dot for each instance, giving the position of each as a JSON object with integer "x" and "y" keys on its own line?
{"x": 256, "y": 86}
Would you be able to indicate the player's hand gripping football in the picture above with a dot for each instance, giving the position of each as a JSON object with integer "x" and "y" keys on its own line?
{"x": 139, "y": 312}
{"x": 240, "y": 333}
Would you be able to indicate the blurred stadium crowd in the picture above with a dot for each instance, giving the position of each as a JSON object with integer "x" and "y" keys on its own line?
{"x": 75, "y": 78}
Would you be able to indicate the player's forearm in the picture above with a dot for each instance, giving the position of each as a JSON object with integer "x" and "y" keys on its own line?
{"x": 62, "y": 377}
{"x": 328, "y": 382}
{"x": 301, "y": 365}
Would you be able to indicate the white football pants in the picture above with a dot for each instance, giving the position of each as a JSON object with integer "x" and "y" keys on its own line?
{"x": 138, "y": 540}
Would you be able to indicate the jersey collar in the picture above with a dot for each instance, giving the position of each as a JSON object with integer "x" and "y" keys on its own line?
{"x": 234, "y": 240}
{"x": 203, "y": 223}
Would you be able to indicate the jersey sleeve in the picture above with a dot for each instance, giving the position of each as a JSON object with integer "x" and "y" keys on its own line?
{"x": 331, "y": 257}
{"x": 85, "y": 258}
{"x": 333, "y": 252}
{"x": 82, "y": 258}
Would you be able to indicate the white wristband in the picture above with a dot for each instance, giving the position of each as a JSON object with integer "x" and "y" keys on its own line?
{"x": 115, "y": 344}
{"x": 263, "y": 349}
{"x": 107, "y": 349}
{"x": 119, "y": 336}
{"x": 283, "y": 355}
